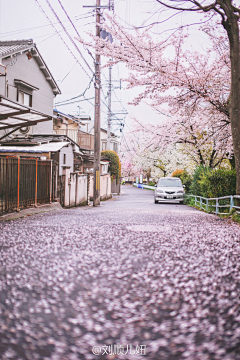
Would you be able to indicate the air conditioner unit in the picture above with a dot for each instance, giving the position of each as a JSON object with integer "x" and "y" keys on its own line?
{"x": 25, "y": 130}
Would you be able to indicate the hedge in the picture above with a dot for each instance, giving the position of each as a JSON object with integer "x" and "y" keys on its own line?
{"x": 115, "y": 165}
{"x": 217, "y": 183}
{"x": 211, "y": 183}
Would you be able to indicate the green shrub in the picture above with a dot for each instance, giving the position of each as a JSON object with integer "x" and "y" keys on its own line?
{"x": 185, "y": 178}
{"x": 217, "y": 183}
{"x": 151, "y": 183}
{"x": 115, "y": 165}
{"x": 195, "y": 187}
{"x": 236, "y": 217}
{"x": 211, "y": 183}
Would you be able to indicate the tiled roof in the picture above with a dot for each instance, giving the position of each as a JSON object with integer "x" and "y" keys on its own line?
{"x": 13, "y": 47}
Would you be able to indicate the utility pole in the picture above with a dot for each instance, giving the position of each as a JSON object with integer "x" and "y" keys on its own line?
{"x": 96, "y": 168}
{"x": 111, "y": 7}
{"x": 109, "y": 108}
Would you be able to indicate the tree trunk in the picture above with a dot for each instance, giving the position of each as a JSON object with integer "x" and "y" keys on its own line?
{"x": 148, "y": 177}
{"x": 233, "y": 34}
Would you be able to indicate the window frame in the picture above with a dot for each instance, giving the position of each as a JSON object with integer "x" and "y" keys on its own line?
{"x": 24, "y": 93}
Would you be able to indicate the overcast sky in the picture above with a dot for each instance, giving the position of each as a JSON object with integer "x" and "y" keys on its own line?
{"x": 23, "y": 19}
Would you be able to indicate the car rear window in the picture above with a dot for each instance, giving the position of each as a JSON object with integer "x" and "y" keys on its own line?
{"x": 170, "y": 182}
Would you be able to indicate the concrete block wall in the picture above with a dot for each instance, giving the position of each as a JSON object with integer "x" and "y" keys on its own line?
{"x": 72, "y": 189}
{"x": 75, "y": 188}
{"x": 66, "y": 172}
{"x": 81, "y": 190}
{"x": 105, "y": 187}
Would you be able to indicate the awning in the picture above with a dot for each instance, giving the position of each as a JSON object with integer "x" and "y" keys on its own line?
{"x": 49, "y": 147}
{"x": 14, "y": 115}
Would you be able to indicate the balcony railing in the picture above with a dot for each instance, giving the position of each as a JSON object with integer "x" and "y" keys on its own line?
{"x": 84, "y": 140}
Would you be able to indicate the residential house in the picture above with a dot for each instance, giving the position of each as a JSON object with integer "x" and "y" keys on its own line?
{"x": 114, "y": 141}
{"x": 27, "y": 81}
{"x": 81, "y": 130}
{"x": 76, "y": 128}
{"x": 60, "y": 148}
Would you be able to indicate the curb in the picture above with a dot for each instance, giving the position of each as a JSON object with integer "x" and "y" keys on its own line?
{"x": 31, "y": 211}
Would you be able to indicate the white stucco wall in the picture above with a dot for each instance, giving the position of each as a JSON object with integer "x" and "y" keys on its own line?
{"x": 81, "y": 189}
{"x": 75, "y": 188}
{"x": 68, "y": 151}
{"x": 19, "y": 67}
{"x": 72, "y": 190}
{"x": 105, "y": 186}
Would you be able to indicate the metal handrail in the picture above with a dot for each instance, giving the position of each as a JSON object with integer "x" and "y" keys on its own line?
{"x": 203, "y": 203}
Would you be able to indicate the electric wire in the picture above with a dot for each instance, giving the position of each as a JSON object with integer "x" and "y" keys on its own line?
{"x": 70, "y": 38}
{"x": 74, "y": 102}
{"x": 68, "y": 102}
{"x": 65, "y": 102}
{"x": 89, "y": 52}
{"x": 37, "y": 1}
{"x": 20, "y": 31}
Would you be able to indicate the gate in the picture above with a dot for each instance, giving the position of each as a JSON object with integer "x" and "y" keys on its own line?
{"x": 25, "y": 182}
{"x": 61, "y": 189}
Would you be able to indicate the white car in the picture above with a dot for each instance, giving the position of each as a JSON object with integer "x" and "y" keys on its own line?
{"x": 169, "y": 189}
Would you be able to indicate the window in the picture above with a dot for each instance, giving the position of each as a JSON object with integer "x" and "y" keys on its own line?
{"x": 170, "y": 182}
{"x": 24, "y": 98}
{"x": 24, "y": 92}
{"x": 104, "y": 146}
{"x": 64, "y": 159}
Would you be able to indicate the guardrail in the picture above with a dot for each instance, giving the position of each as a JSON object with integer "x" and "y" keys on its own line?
{"x": 142, "y": 186}
{"x": 207, "y": 203}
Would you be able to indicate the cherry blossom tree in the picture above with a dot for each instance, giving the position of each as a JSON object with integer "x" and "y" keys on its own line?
{"x": 154, "y": 162}
{"x": 189, "y": 83}
{"x": 197, "y": 138}
{"x": 195, "y": 87}
{"x": 129, "y": 170}
{"x": 229, "y": 15}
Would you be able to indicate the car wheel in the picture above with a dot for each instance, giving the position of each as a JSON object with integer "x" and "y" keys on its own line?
{"x": 156, "y": 202}
{"x": 180, "y": 202}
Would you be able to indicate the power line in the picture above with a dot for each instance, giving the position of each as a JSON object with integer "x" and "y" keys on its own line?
{"x": 59, "y": 1}
{"x": 68, "y": 73}
{"x": 56, "y": 34}
{"x": 19, "y": 31}
{"x": 74, "y": 27}
{"x": 78, "y": 96}
{"x": 69, "y": 36}
{"x": 74, "y": 102}
{"x": 61, "y": 37}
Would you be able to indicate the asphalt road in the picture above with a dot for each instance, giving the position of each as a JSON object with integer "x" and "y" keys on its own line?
{"x": 127, "y": 280}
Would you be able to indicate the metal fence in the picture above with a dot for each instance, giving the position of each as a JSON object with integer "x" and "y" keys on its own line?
{"x": 215, "y": 204}
{"x": 25, "y": 182}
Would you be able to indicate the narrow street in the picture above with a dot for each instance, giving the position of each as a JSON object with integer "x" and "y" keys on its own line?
{"x": 155, "y": 281}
